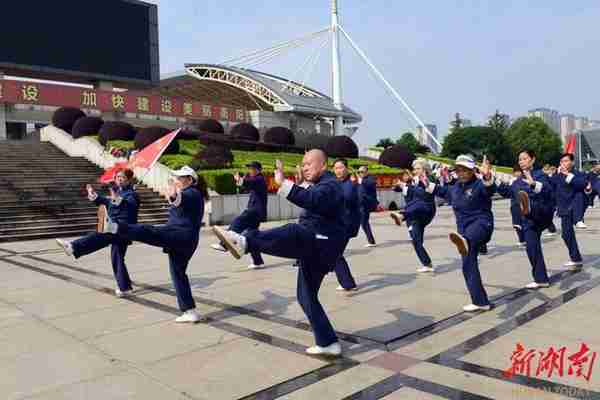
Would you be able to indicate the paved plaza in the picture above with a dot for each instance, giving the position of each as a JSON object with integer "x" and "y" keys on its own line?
{"x": 64, "y": 335}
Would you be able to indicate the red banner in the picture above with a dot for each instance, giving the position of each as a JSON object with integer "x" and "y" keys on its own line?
{"x": 44, "y": 94}
{"x": 571, "y": 144}
{"x": 150, "y": 155}
{"x": 382, "y": 181}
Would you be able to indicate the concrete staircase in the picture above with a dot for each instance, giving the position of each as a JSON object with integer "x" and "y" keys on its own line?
{"x": 42, "y": 194}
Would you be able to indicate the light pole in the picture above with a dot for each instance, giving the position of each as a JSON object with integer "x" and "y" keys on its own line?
{"x": 338, "y": 125}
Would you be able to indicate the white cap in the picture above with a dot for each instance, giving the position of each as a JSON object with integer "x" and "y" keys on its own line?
{"x": 465, "y": 161}
{"x": 186, "y": 171}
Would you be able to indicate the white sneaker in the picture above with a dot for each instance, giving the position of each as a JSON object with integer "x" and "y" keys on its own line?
{"x": 425, "y": 269}
{"x": 218, "y": 247}
{"x": 66, "y": 246}
{"x": 333, "y": 349}
{"x": 521, "y": 244}
{"x": 549, "y": 234}
{"x": 371, "y": 245}
{"x": 123, "y": 293}
{"x": 340, "y": 288}
{"x": 535, "y": 285}
{"x": 580, "y": 225}
{"x": 473, "y": 308}
{"x": 460, "y": 242}
{"x": 235, "y": 243}
{"x": 253, "y": 266}
{"x": 190, "y": 316}
{"x": 574, "y": 264}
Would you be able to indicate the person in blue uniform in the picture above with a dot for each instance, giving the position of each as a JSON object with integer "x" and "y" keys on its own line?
{"x": 581, "y": 203}
{"x": 369, "y": 202}
{"x": 123, "y": 206}
{"x": 317, "y": 240}
{"x": 256, "y": 212}
{"x": 352, "y": 218}
{"x": 594, "y": 184}
{"x": 509, "y": 190}
{"x": 475, "y": 222}
{"x": 568, "y": 184}
{"x": 550, "y": 171}
{"x": 536, "y": 200}
{"x": 178, "y": 238}
{"x": 419, "y": 211}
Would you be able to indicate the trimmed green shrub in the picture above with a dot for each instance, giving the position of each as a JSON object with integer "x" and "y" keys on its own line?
{"x": 213, "y": 157}
{"x": 219, "y": 181}
{"x": 209, "y": 125}
{"x": 147, "y": 136}
{"x": 316, "y": 141}
{"x": 65, "y": 117}
{"x": 245, "y": 131}
{"x": 86, "y": 126}
{"x": 115, "y": 130}
{"x": 341, "y": 146}
{"x": 280, "y": 135}
{"x": 397, "y": 156}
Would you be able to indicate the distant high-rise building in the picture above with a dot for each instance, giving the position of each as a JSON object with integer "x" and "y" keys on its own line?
{"x": 550, "y": 117}
{"x": 425, "y": 139}
{"x": 581, "y": 122}
{"x": 567, "y": 125}
{"x": 594, "y": 123}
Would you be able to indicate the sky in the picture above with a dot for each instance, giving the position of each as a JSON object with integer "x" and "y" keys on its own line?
{"x": 442, "y": 57}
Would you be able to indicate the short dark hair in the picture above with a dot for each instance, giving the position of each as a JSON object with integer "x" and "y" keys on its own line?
{"x": 341, "y": 160}
{"x": 529, "y": 152}
{"x": 127, "y": 172}
{"x": 570, "y": 155}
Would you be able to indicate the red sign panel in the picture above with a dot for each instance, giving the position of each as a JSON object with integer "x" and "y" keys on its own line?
{"x": 20, "y": 92}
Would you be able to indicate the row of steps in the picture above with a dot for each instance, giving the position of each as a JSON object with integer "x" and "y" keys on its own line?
{"x": 42, "y": 194}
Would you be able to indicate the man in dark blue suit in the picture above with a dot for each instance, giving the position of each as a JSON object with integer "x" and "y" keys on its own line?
{"x": 369, "y": 202}
{"x": 569, "y": 184}
{"x": 256, "y": 212}
{"x": 317, "y": 240}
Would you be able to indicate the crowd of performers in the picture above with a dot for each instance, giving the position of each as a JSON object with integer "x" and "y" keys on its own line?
{"x": 335, "y": 205}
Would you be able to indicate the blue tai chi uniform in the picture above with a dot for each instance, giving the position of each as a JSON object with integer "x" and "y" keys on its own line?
{"x": 369, "y": 203}
{"x": 512, "y": 192}
{"x": 178, "y": 238}
{"x": 256, "y": 212}
{"x": 419, "y": 212}
{"x": 124, "y": 210}
{"x": 352, "y": 218}
{"x": 542, "y": 208}
{"x": 568, "y": 187}
{"x": 475, "y": 222}
{"x": 317, "y": 240}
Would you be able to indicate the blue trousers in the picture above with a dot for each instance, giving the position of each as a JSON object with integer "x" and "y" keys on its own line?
{"x": 180, "y": 245}
{"x": 248, "y": 220}
{"x": 515, "y": 213}
{"x": 580, "y": 207}
{"x": 539, "y": 219}
{"x": 477, "y": 233}
{"x": 118, "y": 248}
{"x": 366, "y": 226}
{"x": 343, "y": 273}
{"x": 568, "y": 236}
{"x": 317, "y": 257}
{"x": 416, "y": 230}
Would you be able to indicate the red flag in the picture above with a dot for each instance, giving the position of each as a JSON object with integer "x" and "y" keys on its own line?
{"x": 571, "y": 144}
{"x": 150, "y": 155}
{"x": 144, "y": 159}
{"x": 110, "y": 174}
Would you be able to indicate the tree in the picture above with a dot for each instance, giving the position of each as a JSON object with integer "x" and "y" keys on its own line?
{"x": 409, "y": 141}
{"x": 478, "y": 141}
{"x": 499, "y": 122}
{"x": 385, "y": 143}
{"x": 533, "y": 133}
